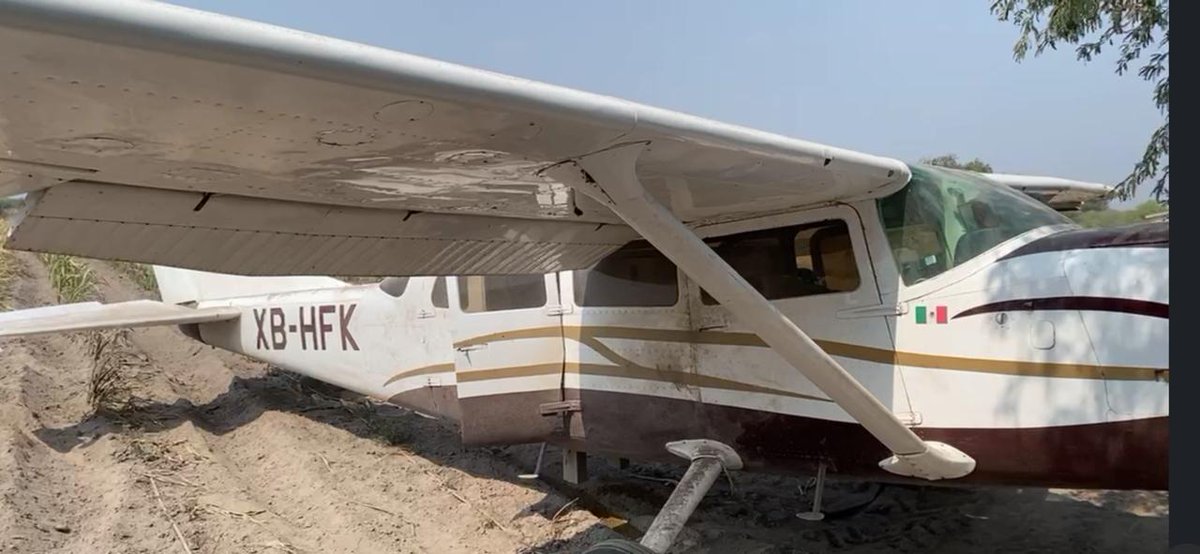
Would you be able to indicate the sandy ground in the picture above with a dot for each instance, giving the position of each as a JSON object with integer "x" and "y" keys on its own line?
{"x": 232, "y": 456}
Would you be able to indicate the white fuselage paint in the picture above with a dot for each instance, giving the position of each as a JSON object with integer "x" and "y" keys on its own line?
{"x": 397, "y": 335}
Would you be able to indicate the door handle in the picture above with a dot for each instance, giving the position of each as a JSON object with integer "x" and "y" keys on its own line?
{"x": 471, "y": 347}
{"x": 879, "y": 310}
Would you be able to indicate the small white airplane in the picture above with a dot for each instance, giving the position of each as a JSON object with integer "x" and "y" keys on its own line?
{"x": 579, "y": 270}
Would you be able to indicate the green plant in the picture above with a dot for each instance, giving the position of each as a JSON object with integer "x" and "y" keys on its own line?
{"x": 1115, "y": 218}
{"x": 1136, "y": 29}
{"x": 71, "y": 277}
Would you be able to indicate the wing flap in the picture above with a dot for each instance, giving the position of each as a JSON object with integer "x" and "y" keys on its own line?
{"x": 255, "y": 236}
{"x": 90, "y": 316}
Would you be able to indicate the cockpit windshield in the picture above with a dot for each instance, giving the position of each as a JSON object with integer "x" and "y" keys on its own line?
{"x": 944, "y": 217}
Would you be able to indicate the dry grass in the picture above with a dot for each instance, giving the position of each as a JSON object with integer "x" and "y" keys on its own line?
{"x": 108, "y": 390}
{"x": 141, "y": 274}
{"x": 71, "y": 277}
{"x": 8, "y": 267}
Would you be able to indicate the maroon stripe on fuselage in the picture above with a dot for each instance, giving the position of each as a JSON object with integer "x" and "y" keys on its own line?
{"x": 1143, "y": 235}
{"x": 1111, "y": 455}
{"x": 437, "y": 401}
{"x": 1081, "y": 303}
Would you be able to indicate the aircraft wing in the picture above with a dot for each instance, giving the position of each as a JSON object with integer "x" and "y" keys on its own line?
{"x": 154, "y": 133}
{"x": 1060, "y": 194}
{"x": 90, "y": 316}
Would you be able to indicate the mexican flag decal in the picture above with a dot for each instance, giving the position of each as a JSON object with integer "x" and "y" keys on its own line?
{"x": 938, "y": 314}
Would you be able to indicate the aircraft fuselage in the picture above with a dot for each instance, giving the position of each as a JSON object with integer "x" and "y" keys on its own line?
{"x": 1043, "y": 355}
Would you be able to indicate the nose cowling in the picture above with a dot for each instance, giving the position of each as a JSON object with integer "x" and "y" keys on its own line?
{"x": 1120, "y": 283}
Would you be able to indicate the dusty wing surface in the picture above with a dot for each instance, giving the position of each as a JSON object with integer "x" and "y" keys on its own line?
{"x": 161, "y": 134}
{"x": 90, "y": 316}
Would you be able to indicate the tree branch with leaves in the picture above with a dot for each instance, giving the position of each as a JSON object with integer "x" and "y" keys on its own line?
{"x": 951, "y": 161}
{"x": 1141, "y": 29}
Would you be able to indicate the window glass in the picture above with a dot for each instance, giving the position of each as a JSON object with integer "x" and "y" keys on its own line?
{"x": 440, "y": 299}
{"x": 637, "y": 274}
{"x": 394, "y": 286}
{"x": 487, "y": 293}
{"x": 944, "y": 217}
{"x": 788, "y": 262}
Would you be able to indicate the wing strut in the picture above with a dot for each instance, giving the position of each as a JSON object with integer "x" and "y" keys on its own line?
{"x": 610, "y": 177}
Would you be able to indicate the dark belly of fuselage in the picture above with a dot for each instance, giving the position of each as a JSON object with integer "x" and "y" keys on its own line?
{"x": 1111, "y": 455}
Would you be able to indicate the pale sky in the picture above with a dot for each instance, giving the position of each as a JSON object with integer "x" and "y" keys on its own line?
{"x": 903, "y": 79}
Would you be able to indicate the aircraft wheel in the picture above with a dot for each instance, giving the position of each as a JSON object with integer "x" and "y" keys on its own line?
{"x": 618, "y": 546}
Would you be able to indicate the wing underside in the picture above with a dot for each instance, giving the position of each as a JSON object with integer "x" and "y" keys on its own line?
{"x": 410, "y": 157}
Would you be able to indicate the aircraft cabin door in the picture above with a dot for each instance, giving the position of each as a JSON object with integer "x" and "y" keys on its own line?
{"x": 814, "y": 267}
{"x": 508, "y": 356}
{"x": 630, "y": 373}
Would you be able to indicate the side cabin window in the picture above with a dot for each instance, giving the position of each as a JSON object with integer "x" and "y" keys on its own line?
{"x": 440, "y": 298}
{"x": 489, "y": 293}
{"x": 787, "y": 262}
{"x": 635, "y": 275}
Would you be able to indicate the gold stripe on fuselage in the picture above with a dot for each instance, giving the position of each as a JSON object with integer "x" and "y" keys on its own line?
{"x": 628, "y": 372}
{"x": 424, "y": 370}
{"x": 589, "y": 336}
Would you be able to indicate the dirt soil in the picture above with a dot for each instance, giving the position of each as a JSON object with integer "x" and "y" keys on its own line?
{"x": 206, "y": 451}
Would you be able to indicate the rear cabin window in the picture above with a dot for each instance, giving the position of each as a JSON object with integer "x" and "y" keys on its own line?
{"x": 440, "y": 298}
{"x": 394, "y": 286}
{"x": 635, "y": 275}
{"x": 788, "y": 262}
{"x": 489, "y": 293}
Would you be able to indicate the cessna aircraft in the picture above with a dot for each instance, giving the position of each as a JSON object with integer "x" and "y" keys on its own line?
{"x": 574, "y": 269}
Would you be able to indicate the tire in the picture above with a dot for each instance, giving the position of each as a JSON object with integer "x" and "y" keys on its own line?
{"x": 618, "y": 546}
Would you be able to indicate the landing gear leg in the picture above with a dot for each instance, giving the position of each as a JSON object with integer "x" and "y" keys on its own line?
{"x": 815, "y": 514}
